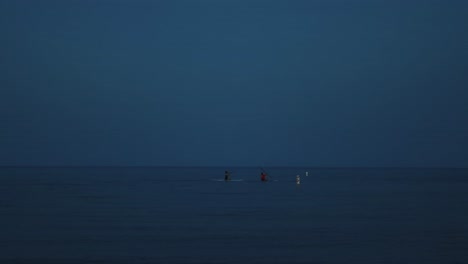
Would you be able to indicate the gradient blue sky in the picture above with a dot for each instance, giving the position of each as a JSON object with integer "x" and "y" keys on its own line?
{"x": 228, "y": 83}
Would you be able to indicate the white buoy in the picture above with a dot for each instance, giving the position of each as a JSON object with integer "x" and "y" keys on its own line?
{"x": 298, "y": 179}
{"x": 307, "y": 173}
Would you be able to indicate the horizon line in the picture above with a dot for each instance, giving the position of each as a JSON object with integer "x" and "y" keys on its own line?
{"x": 232, "y": 166}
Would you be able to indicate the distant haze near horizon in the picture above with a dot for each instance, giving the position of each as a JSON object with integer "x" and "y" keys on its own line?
{"x": 321, "y": 83}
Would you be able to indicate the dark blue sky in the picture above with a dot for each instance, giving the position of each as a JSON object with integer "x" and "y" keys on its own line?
{"x": 270, "y": 83}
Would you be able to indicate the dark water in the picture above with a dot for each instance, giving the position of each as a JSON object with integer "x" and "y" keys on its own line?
{"x": 183, "y": 215}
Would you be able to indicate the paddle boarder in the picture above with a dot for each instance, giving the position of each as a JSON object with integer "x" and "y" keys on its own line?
{"x": 263, "y": 176}
{"x": 227, "y": 175}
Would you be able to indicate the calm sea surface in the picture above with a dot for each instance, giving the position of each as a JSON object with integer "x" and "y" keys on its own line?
{"x": 189, "y": 215}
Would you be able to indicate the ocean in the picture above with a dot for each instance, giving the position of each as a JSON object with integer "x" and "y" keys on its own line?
{"x": 190, "y": 215}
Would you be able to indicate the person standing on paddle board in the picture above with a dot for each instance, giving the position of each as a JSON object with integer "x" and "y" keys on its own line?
{"x": 263, "y": 176}
{"x": 227, "y": 176}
